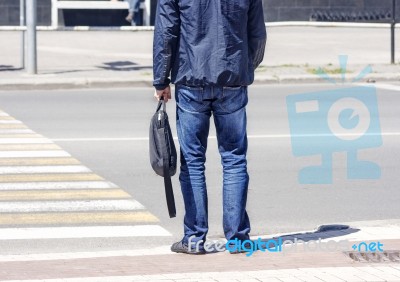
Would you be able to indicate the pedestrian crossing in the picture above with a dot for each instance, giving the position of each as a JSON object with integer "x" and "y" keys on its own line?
{"x": 46, "y": 193}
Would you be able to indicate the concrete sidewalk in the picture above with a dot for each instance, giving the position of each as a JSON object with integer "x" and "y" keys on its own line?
{"x": 305, "y": 263}
{"x": 79, "y": 59}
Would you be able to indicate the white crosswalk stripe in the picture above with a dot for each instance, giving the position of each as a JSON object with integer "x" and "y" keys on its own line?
{"x": 15, "y": 131}
{"x": 33, "y": 154}
{"x": 65, "y": 206}
{"x": 57, "y": 185}
{"x": 44, "y": 169}
{"x": 43, "y": 189}
{"x": 13, "y": 121}
{"x": 25, "y": 141}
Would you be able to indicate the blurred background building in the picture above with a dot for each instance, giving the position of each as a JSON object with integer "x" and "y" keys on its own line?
{"x": 275, "y": 10}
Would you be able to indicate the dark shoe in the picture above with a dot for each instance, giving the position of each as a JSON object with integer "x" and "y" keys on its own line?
{"x": 180, "y": 247}
{"x": 237, "y": 252}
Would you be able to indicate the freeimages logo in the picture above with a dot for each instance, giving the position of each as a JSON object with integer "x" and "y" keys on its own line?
{"x": 339, "y": 120}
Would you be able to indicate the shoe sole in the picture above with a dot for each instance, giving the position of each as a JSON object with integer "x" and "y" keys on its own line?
{"x": 189, "y": 253}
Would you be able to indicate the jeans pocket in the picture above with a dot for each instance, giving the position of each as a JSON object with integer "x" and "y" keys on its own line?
{"x": 233, "y": 98}
{"x": 189, "y": 98}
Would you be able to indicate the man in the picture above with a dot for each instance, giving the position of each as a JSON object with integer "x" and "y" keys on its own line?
{"x": 211, "y": 48}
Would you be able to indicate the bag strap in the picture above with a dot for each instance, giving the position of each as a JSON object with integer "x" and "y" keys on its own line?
{"x": 161, "y": 103}
{"x": 169, "y": 192}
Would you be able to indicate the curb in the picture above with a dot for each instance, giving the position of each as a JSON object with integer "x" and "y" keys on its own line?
{"x": 305, "y": 79}
{"x": 81, "y": 83}
{"x": 309, "y": 78}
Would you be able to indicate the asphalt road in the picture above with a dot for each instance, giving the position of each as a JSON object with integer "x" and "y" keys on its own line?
{"x": 107, "y": 129}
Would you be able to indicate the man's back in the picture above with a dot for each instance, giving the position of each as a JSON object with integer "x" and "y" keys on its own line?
{"x": 208, "y": 42}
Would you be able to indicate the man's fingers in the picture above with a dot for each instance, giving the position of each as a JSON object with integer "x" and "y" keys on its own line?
{"x": 158, "y": 95}
{"x": 166, "y": 94}
{"x": 166, "y": 97}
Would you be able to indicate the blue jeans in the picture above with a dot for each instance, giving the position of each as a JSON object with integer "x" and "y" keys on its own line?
{"x": 194, "y": 109}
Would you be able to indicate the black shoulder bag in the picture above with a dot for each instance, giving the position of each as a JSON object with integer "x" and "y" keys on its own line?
{"x": 163, "y": 152}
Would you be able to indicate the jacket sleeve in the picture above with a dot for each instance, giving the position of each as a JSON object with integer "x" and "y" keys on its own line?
{"x": 166, "y": 35}
{"x": 256, "y": 32}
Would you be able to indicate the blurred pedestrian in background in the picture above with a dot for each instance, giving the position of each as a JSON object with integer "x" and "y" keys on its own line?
{"x": 134, "y": 15}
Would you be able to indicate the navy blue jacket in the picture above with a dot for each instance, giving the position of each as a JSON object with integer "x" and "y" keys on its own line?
{"x": 208, "y": 42}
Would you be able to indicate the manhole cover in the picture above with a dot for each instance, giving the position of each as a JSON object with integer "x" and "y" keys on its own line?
{"x": 380, "y": 257}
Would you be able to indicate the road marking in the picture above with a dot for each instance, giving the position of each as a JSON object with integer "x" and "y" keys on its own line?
{"x": 39, "y": 161}
{"x": 13, "y": 126}
{"x": 68, "y": 206}
{"x": 33, "y": 154}
{"x": 10, "y": 121}
{"x": 25, "y": 141}
{"x": 29, "y": 147}
{"x": 44, "y": 169}
{"x": 17, "y": 131}
{"x": 114, "y": 217}
{"x": 78, "y": 194}
{"x": 82, "y": 232}
{"x": 49, "y": 177}
{"x": 57, "y": 185}
{"x": 22, "y": 136}
{"x": 320, "y": 135}
{"x": 41, "y": 184}
{"x": 6, "y": 118}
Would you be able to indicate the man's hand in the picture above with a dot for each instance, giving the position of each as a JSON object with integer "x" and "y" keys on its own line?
{"x": 166, "y": 93}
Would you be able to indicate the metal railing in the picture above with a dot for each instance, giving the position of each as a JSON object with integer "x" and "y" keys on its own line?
{"x": 366, "y": 16}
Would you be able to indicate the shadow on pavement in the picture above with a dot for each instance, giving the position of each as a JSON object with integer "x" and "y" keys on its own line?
{"x": 67, "y": 71}
{"x": 323, "y": 232}
{"x": 9, "y": 68}
{"x": 123, "y": 66}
